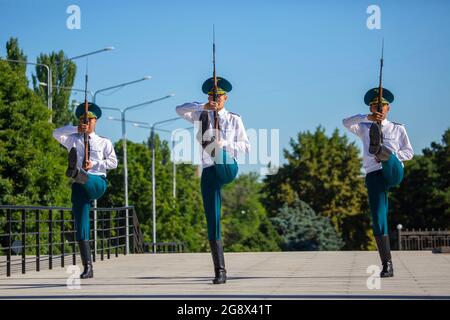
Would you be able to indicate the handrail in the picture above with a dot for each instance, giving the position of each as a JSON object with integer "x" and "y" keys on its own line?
{"x": 45, "y": 233}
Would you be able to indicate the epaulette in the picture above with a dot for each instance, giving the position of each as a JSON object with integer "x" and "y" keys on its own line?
{"x": 234, "y": 113}
{"x": 397, "y": 123}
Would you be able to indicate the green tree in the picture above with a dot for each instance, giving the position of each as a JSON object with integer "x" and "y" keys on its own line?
{"x": 13, "y": 52}
{"x": 246, "y": 226}
{"x": 303, "y": 230}
{"x": 63, "y": 76}
{"x": 325, "y": 172}
{"x": 32, "y": 163}
{"x": 423, "y": 198}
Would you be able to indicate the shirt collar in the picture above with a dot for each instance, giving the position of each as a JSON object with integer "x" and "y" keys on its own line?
{"x": 92, "y": 135}
{"x": 222, "y": 112}
{"x": 384, "y": 122}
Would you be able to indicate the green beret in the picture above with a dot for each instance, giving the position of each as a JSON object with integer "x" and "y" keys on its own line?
{"x": 223, "y": 85}
{"x": 372, "y": 96}
{"x": 93, "y": 110}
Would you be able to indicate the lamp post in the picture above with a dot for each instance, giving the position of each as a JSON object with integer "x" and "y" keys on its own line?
{"x": 49, "y": 77}
{"x": 173, "y": 160}
{"x": 152, "y": 139}
{"x": 94, "y": 93}
{"x": 152, "y": 128}
{"x": 124, "y": 144}
{"x": 120, "y": 86}
{"x": 49, "y": 73}
{"x": 81, "y": 56}
{"x": 399, "y": 228}
{"x": 44, "y": 84}
{"x": 88, "y": 54}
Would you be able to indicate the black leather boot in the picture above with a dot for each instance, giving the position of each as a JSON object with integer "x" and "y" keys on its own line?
{"x": 384, "y": 250}
{"x": 72, "y": 163}
{"x": 219, "y": 261}
{"x": 376, "y": 146}
{"x": 85, "y": 253}
{"x": 208, "y": 145}
{"x": 375, "y": 138}
{"x": 78, "y": 175}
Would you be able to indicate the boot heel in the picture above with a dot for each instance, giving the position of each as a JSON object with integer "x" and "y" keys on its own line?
{"x": 219, "y": 262}
{"x": 85, "y": 253}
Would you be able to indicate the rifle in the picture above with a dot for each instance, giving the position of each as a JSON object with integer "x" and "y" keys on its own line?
{"x": 85, "y": 118}
{"x": 380, "y": 87}
{"x": 216, "y": 114}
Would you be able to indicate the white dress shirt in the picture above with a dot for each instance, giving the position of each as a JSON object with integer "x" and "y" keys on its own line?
{"x": 395, "y": 139}
{"x": 232, "y": 131}
{"x": 101, "y": 150}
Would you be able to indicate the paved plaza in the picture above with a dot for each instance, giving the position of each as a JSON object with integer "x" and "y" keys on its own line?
{"x": 268, "y": 275}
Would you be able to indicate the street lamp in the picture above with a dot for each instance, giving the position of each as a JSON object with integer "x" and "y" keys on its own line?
{"x": 152, "y": 139}
{"x": 49, "y": 73}
{"x": 44, "y": 84}
{"x": 89, "y": 54}
{"x": 120, "y": 86}
{"x": 49, "y": 77}
{"x": 124, "y": 143}
{"x": 173, "y": 160}
{"x": 399, "y": 228}
{"x": 152, "y": 128}
{"x": 94, "y": 94}
{"x": 139, "y": 124}
{"x": 81, "y": 56}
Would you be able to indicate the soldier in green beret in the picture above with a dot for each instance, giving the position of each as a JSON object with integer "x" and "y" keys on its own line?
{"x": 89, "y": 181}
{"x": 385, "y": 146}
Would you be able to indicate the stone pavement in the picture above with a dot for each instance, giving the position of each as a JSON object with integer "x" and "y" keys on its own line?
{"x": 267, "y": 275}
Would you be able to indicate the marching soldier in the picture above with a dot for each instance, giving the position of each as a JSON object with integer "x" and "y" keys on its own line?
{"x": 219, "y": 152}
{"x": 89, "y": 182}
{"x": 386, "y": 145}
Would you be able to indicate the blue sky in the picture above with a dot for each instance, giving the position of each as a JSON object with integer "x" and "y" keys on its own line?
{"x": 294, "y": 65}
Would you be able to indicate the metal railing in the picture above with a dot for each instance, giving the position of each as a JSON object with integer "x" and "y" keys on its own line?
{"x": 165, "y": 247}
{"x": 423, "y": 239}
{"x": 44, "y": 235}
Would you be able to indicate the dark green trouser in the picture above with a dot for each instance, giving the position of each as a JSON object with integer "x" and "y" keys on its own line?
{"x": 213, "y": 178}
{"x": 82, "y": 195}
{"x": 378, "y": 184}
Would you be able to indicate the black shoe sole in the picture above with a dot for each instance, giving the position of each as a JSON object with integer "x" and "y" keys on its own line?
{"x": 386, "y": 275}
{"x": 72, "y": 163}
{"x": 375, "y": 138}
{"x": 219, "y": 282}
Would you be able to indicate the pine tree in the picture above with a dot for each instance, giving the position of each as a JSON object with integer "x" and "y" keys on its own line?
{"x": 303, "y": 230}
{"x": 63, "y": 76}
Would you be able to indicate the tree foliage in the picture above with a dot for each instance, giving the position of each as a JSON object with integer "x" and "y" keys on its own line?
{"x": 303, "y": 230}
{"x": 423, "y": 198}
{"x": 31, "y": 162}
